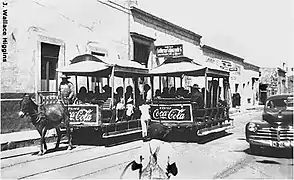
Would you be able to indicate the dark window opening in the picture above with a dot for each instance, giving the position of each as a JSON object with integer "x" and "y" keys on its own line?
{"x": 49, "y": 60}
{"x": 141, "y": 53}
{"x": 236, "y": 88}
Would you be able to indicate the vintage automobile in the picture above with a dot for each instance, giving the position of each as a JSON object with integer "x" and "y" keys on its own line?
{"x": 276, "y": 127}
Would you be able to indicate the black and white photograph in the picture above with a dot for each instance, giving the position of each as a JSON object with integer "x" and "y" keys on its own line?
{"x": 147, "y": 89}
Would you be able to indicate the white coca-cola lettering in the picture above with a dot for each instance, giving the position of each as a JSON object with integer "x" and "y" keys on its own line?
{"x": 157, "y": 114}
{"x": 176, "y": 114}
{"x": 84, "y": 115}
{"x": 169, "y": 114}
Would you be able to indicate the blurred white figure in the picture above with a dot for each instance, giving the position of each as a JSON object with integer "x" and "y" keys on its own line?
{"x": 144, "y": 118}
{"x": 155, "y": 160}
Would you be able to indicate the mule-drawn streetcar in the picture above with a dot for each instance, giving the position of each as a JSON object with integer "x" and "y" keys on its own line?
{"x": 185, "y": 110}
{"x": 174, "y": 109}
{"x": 103, "y": 111}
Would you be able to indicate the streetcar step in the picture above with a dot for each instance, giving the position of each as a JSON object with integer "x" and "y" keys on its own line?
{"x": 121, "y": 133}
{"x": 214, "y": 129}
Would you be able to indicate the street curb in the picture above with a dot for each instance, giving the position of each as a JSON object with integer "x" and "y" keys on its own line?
{"x": 25, "y": 143}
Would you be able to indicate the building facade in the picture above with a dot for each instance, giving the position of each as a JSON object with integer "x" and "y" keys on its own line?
{"x": 154, "y": 39}
{"x": 272, "y": 82}
{"x": 53, "y": 34}
{"x": 243, "y": 76}
{"x": 47, "y": 35}
{"x": 50, "y": 35}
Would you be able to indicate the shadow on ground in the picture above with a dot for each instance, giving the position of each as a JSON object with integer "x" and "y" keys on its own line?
{"x": 188, "y": 137}
{"x": 270, "y": 152}
{"x": 92, "y": 137}
{"x": 52, "y": 150}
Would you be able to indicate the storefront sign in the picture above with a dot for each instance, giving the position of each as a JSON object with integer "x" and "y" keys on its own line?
{"x": 226, "y": 65}
{"x": 169, "y": 50}
{"x": 83, "y": 113}
{"x": 171, "y": 113}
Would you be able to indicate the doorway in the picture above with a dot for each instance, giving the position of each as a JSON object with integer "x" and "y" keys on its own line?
{"x": 49, "y": 64}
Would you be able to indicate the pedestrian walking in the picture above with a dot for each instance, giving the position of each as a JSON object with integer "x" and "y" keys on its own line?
{"x": 144, "y": 118}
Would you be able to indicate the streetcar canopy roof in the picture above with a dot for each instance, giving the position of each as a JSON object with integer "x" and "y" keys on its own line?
{"x": 91, "y": 65}
{"x": 177, "y": 66}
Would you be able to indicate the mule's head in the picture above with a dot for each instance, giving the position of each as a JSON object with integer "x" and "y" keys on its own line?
{"x": 25, "y": 106}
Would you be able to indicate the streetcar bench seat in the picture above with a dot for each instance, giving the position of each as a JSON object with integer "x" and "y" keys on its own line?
{"x": 199, "y": 114}
{"x": 106, "y": 112}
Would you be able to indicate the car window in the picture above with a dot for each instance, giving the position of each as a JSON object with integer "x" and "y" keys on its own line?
{"x": 280, "y": 103}
{"x": 276, "y": 103}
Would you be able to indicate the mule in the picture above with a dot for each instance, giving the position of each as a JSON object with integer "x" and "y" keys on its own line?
{"x": 46, "y": 117}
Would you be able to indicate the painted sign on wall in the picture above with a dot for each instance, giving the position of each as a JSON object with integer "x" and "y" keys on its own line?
{"x": 83, "y": 113}
{"x": 171, "y": 113}
{"x": 235, "y": 69}
{"x": 169, "y": 50}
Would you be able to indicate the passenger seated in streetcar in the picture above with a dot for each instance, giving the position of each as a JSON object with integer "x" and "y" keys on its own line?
{"x": 172, "y": 92}
{"x": 107, "y": 92}
{"x": 165, "y": 93}
{"x": 119, "y": 103}
{"x": 147, "y": 94}
{"x": 197, "y": 97}
{"x": 138, "y": 97}
{"x": 129, "y": 109}
{"x": 82, "y": 95}
{"x": 96, "y": 89}
{"x": 186, "y": 93}
{"x": 129, "y": 93}
{"x": 180, "y": 92}
{"x": 118, "y": 96}
{"x": 157, "y": 93}
{"x": 90, "y": 97}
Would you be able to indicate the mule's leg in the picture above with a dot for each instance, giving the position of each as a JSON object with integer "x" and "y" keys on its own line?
{"x": 43, "y": 133}
{"x": 58, "y": 138}
{"x": 68, "y": 132}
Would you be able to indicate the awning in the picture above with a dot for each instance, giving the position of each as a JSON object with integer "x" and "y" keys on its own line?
{"x": 84, "y": 67}
{"x": 176, "y": 66}
{"x": 91, "y": 65}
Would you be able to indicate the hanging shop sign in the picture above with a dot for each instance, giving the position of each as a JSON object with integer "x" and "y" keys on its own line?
{"x": 169, "y": 50}
{"x": 226, "y": 65}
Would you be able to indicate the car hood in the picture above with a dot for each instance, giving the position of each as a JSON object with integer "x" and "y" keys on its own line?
{"x": 280, "y": 117}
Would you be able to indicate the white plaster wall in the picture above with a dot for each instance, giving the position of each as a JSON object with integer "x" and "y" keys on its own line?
{"x": 247, "y": 91}
{"x": 75, "y": 24}
{"x": 167, "y": 37}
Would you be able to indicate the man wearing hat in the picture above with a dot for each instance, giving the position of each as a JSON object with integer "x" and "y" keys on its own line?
{"x": 197, "y": 97}
{"x": 66, "y": 90}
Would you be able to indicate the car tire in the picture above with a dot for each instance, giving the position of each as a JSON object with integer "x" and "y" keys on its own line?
{"x": 254, "y": 149}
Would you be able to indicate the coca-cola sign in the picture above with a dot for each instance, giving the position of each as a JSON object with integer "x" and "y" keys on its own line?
{"x": 171, "y": 112}
{"x": 83, "y": 113}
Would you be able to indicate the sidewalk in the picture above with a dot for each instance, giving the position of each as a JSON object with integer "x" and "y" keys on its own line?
{"x": 30, "y": 138}
{"x": 24, "y": 138}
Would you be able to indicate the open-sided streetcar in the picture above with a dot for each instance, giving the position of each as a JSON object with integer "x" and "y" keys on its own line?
{"x": 181, "y": 109}
{"x": 99, "y": 110}
{"x": 116, "y": 111}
